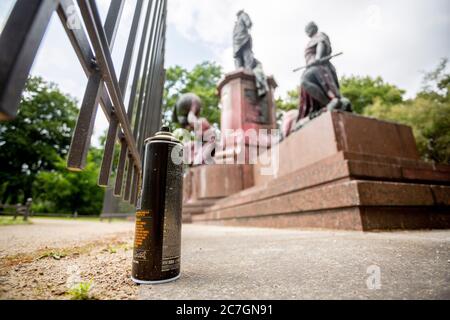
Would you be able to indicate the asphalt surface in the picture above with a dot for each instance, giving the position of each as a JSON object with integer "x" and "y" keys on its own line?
{"x": 249, "y": 263}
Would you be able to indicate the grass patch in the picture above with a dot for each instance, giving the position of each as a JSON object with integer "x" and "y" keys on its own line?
{"x": 9, "y": 221}
{"x": 120, "y": 246}
{"x": 81, "y": 291}
{"x": 57, "y": 255}
{"x": 80, "y": 218}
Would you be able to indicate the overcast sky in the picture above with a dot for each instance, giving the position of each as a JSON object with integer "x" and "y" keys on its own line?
{"x": 392, "y": 39}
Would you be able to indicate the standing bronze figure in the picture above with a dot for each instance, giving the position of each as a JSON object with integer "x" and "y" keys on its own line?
{"x": 243, "y": 51}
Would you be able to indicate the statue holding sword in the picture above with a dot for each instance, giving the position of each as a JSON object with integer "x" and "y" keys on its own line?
{"x": 319, "y": 83}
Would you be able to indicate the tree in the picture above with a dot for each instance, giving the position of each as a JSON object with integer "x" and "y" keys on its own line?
{"x": 290, "y": 102}
{"x": 362, "y": 92}
{"x": 36, "y": 139}
{"x": 63, "y": 191}
{"x": 201, "y": 80}
{"x": 436, "y": 83}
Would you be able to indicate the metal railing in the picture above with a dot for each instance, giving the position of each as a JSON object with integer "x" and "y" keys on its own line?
{"x": 129, "y": 123}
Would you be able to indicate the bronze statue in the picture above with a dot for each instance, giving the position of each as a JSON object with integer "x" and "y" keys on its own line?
{"x": 319, "y": 84}
{"x": 242, "y": 41}
{"x": 243, "y": 52}
{"x": 187, "y": 114}
{"x": 187, "y": 110}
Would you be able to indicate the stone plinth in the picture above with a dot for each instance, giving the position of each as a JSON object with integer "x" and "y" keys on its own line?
{"x": 242, "y": 109}
{"x": 338, "y": 131}
{"x": 206, "y": 184}
{"x": 343, "y": 171}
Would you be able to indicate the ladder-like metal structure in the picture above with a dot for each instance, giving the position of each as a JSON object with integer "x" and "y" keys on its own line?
{"x": 130, "y": 122}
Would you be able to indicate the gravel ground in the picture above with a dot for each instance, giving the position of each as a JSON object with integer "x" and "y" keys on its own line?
{"x": 45, "y": 259}
{"x": 227, "y": 263}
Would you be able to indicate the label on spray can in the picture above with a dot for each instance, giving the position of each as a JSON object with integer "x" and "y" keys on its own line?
{"x": 142, "y": 238}
{"x": 172, "y": 221}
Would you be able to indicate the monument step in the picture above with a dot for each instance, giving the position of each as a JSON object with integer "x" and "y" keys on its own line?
{"x": 342, "y": 197}
{"x": 339, "y": 195}
{"x": 352, "y": 218}
{"x": 330, "y": 171}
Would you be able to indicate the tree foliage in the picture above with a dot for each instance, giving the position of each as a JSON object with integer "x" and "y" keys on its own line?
{"x": 289, "y": 102}
{"x": 36, "y": 139}
{"x": 33, "y": 151}
{"x": 362, "y": 92}
{"x": 201, "y": 80}
{"x": 63, "y": 191}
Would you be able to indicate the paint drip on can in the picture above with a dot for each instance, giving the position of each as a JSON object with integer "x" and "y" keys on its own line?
{"x": 157, "y": 243}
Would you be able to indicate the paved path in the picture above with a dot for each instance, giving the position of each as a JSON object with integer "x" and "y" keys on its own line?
{"x": 55, "y": 233}
{"x": 247, "y": 263}
{"x": 237, "y": 263}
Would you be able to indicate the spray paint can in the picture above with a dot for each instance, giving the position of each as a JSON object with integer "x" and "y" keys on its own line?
{"x": 157, "y": 244}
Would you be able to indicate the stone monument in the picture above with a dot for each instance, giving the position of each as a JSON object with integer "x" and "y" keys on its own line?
{"x": 247, "y": 106}
{"x": 246, "y": 96}
{"x": 343, "y": 171}
{"x": 340, "y": 171}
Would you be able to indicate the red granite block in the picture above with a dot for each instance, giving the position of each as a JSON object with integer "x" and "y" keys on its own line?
{"x": 340, "y": 195}
{"x": 371, "y": 136}
{"x": 385, "y": 218}
{"x": 325, "y": 172}
{"x": 378, "y": 193}
{"x": 360, "y": 138}
{"x": 441, "y": 195}
{"x": 214, "y": 181}
{"x": 363, "y": 169}
{"x": 355, "y": 218}
{"x": 426, "y": 174}
{"x": 344, "y": 219}
{"x": 343, "y": 194}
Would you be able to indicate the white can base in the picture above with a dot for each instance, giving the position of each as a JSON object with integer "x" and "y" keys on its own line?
{"x": 156, "y": 281}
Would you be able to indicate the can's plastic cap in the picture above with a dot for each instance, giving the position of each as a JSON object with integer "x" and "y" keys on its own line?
{"x": 163, "y": 134}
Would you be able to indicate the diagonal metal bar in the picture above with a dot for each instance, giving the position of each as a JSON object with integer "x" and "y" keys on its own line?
{"x": 146, "y": 78}
{"x": 72, "y": 25}
{"x": 81, "y": 139}
{"x": 152, "y": 93}
{"x": 112, "y": 20}
{"x": 71, "y": 22}
{"x": 108, "y": 154}
{"x": 92, "y": 22}
{"x": 121, "y": 167}
{"x": 156, "y": 80}
{"x": 134, "y": 187}
{"x": 148, "y": 92}
{"x": 136, "y": 80}
{"x": 154, "y": 119}
{"x": 130, "y": 170}
{"x": 19, "y": 42}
